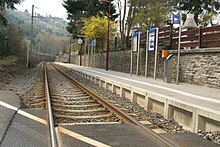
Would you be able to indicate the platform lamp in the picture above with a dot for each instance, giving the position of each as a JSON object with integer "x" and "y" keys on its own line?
{"x": 108, "y": 32}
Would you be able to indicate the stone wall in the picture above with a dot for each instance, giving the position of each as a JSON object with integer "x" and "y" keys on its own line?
{"x": 121, "y": 61}
{"x": 197, "y": 66}
{"x": 200, "y": 67}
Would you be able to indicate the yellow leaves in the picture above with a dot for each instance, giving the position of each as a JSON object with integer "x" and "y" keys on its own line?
{"x": 96, "y": 27}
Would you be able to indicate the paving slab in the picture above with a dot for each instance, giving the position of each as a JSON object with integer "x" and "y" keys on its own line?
{"x": 188, "y": 140}
{"x": 123, "y": 135}
{"x": 26, "y": 132}
{"x": 7, "y": 114}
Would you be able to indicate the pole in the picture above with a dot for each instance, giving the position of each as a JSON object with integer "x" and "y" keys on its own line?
{"x": 146, "y": 61}
{"x": 156, "y": 48}
{"x": 107, "y": 48}
{"x": 89, "y": 54}
{"x": 80, "y": 63}
{"x": 178, "y": 58}
{"x": 138, "y": 53}
{"x": 85, "y": 44}
{"x": 70, "y": 51}
{"x": 28, "y": 51}
{"x": 131, "y": 67}
{"x": 94, "y": 56}
{"x": 32, "y": 19}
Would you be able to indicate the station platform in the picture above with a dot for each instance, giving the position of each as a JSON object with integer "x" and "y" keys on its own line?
{"x": 194, "y": 107}
{"x": 123, "y": 135}
{"x": 28, "y": 127}
{"x": 107, "y": 135}
{"x": 21, "y": 127}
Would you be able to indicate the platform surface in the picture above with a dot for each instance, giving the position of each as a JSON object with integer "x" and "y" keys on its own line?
{"x": 123, "y": 135}
{"x": 208, "y": 98}
{"x": 126, "y": 135}
{"x": 26, "y": 132}
{"x": 6, "y": 114}
{"x": 21, "y": 128}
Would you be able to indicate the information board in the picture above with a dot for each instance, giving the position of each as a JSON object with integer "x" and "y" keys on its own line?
{"x": 152, "y": 38}
{"x": 135, "y": 40}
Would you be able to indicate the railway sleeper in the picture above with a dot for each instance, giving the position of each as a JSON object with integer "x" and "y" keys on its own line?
{"x": 74, "y": 102}
{"x": 84, "y": 117}
{"x": 81, "y": 111}
{"x": 77, "y": 106}
{"x": 73, "y": 98}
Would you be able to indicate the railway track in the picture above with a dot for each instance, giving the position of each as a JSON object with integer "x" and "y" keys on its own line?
{"x": 70, "y": 102}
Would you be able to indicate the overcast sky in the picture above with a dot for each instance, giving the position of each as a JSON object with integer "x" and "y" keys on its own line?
{"x": 44, "y": 7}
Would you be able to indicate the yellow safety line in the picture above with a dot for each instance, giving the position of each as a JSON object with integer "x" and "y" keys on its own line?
{"x": 82, "y": 138}
{"x": 61, "y": 129}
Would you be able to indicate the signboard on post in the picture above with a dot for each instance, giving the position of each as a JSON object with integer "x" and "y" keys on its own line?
{"x": 175, "y": 19}
{"x": 152, "y": 38}
{"x": 135, "y": 44}
{"x": 135, "y": 40}
{"x": 151, "y": 46}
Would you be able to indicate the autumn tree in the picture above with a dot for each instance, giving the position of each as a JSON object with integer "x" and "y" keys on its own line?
{"x": 77, "y": 9}
{"x": 96, "y": 27}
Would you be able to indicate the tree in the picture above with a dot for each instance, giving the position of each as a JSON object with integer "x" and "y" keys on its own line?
{"x": 96, "y": 27}
{"x": 151, "y": 12}
{"x": 77, "y": 9}
{"x": 9, "y": 4}
{"x": 204, "y": 9}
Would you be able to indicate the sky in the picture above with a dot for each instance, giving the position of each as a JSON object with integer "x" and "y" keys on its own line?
{"x": 44, "y": 7}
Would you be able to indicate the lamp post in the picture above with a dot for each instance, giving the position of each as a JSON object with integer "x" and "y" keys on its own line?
{"x": 108, "y": 32}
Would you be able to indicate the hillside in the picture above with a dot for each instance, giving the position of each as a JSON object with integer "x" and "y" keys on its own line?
{"x": 46, "y": 25}
{"x": 49, "y": 33}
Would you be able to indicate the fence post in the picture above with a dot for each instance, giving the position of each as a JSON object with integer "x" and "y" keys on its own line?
{"x": 199, "y": 37}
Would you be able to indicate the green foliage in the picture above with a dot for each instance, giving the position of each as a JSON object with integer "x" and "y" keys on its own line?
{"x": 9, "y": 4}
{"x": 204, "y": 9}
{"x": 9, "y": 60}
{"x": 154, "y": 12}
{"x": 96, "y": 27}
{"x": 150, "y": 12}
{"x": 77, "y": 9}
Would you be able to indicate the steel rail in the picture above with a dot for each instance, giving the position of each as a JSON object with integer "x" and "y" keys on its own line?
{"x": 119, "y": 113}
{"x": 51, "y": 123}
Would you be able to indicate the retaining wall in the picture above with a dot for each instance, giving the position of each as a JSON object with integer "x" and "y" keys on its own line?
{"x": 197, "y": 66}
